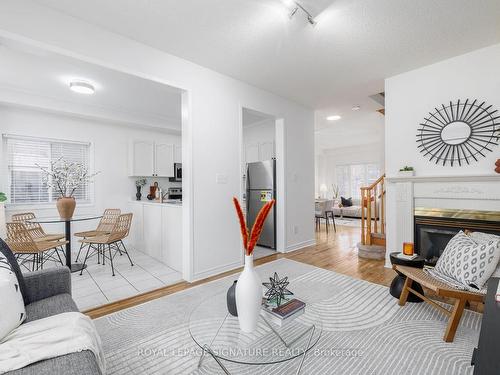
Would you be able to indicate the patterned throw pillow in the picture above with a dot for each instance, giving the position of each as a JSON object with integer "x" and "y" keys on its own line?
{"x": 486, "y": 237}
{"x": 469, "y": 262}
{"x": 11, "y": 301}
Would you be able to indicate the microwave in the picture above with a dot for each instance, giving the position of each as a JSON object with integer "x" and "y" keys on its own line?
{"x": 177, "y": 173}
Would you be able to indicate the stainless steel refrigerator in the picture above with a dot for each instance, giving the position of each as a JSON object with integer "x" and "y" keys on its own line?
{"x": 261, "y": 188}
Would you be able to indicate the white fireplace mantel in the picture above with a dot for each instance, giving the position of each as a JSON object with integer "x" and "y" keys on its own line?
{"x": 463, "y": 178}
{"x": 404, "y": 193}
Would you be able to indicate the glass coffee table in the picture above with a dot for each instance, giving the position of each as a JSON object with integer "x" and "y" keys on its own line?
{"x": 218, "y": 334}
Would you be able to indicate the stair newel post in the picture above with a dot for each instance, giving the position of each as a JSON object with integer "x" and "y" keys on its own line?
{"x": 375, "y": 208}
{"x": 368, "y": 217}
{"x": 363, "y": 229}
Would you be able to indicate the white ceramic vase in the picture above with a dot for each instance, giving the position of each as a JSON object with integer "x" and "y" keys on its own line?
{"x": 248, "y": 296}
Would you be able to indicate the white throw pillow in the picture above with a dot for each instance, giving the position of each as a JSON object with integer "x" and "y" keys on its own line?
{"x": 12, "y": 308}
{"x": 467, "y": 261}
{"x": 486, "y": 237}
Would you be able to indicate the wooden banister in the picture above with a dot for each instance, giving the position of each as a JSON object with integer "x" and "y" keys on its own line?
{"x": 373, "y": 204}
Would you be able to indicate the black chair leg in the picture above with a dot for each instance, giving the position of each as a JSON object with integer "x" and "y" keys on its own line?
{"x": 59, "y": 256}
{"x": 79, "y": 251}
{"x": 125, "y": 250}
{"x": 85, "y": 261}
{"x": 103, "y": 254}
{"x": 111, "y": 260}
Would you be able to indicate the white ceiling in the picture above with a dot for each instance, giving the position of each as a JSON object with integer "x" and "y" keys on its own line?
{"x": 33, "y": 77}
{"x": 347, "y": 55}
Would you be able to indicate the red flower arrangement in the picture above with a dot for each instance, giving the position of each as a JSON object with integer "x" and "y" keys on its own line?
{"x": 250, "y": 238}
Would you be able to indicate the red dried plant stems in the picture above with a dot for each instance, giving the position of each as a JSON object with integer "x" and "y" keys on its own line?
{"x": 258, "y": 226}
{"x": 243, "y": 225}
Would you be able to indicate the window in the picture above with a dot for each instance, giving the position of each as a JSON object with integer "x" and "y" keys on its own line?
{"x": 25, "y": 177}
{"x": 351, "y": 178}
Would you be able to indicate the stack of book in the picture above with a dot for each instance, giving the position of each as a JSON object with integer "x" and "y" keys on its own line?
{"x": 407, "y": 257}
{"x": 286, "y": 312}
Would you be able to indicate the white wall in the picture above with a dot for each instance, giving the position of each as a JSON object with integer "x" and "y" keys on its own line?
{"x": 109, "y": 155}
{"x": 328, "y": 160}
{"x": 211, "y": 135}
{"x": 410, "y": 96}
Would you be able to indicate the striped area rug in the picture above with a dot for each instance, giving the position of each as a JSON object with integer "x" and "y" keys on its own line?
{"x": 364, "y": 331}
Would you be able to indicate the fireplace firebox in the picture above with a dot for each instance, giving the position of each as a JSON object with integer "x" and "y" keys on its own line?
{"x": 435, "y": 227}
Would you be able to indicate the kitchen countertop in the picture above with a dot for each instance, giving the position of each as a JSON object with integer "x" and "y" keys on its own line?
{"x": 153, "y": 203}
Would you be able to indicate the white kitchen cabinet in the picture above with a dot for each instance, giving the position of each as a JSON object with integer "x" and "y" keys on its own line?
{"x": 178, "y": 154}
{"x": 148, "y": 158}
{"x": 152, "y": 229}
{"x": 164, "y": 160}
{"x": 157, "y": 231}
{"x": 142, "y": 158}
{"x": 171, "y": 246}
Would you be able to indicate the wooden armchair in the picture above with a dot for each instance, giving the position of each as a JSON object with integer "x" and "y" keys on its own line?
{"x": 441, "y": 289}
{"x": 105, "y": 226}
{"x": 35, "y": 229}
{"x": 110, "y": 241}
{"x": 23, "y": 245}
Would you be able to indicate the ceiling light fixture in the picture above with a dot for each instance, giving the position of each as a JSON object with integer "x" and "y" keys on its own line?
{"x": 356, "y": 108}
{"x": 82, "y": 87}
{"x": 295, "y": 6}
{"x": 333, "y": 118}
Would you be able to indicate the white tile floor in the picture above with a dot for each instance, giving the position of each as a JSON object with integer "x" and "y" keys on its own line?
{"x": 96, "y": 286}
{"x": 261, "y": 252}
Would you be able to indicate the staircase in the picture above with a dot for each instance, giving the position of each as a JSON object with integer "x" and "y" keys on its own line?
{"x": 372, "y": 245}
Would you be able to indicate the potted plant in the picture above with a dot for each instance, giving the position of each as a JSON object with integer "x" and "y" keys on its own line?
{"x": 138, "y": 185}
{"x": 64, "y": 178}
{"x": 248, "y": 287}
{"x": 406, "y": 171}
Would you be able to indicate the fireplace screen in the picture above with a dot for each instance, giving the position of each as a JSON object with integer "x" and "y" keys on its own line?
{"x": 434, "y": 228}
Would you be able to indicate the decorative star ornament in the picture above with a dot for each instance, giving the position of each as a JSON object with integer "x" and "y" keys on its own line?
{"x": 276, "y": 289}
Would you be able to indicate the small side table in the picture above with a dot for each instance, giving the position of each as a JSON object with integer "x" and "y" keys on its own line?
{"x": 398, "y": 282}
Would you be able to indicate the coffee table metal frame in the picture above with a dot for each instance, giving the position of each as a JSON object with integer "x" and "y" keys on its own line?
{"x": 207, "y": 349}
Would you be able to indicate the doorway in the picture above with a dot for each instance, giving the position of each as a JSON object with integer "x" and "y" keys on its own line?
{"x": 261, "y": 158}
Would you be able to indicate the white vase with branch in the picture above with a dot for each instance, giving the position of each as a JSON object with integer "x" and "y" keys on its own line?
{"x": 64, "y": 178}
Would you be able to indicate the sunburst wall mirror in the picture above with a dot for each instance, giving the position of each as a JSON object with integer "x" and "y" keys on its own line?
{"x": 459, "y": 133}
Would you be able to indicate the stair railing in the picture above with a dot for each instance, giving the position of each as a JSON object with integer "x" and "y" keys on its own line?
{"x": 373, "y": 210}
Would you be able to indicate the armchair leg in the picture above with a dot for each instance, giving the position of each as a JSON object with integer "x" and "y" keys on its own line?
{"x": 454, "y": 320}
{"x": 85, "y": 261}
{"x": 406, "y": 290}
{"x": 111, "y": 260}
{"x": 125, "y": 250}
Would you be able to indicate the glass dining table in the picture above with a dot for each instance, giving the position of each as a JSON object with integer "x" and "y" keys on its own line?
{"x": 74, "y": 267}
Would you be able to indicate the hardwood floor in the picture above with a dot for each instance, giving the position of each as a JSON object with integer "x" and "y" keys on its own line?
{"x": 333, "y": 251}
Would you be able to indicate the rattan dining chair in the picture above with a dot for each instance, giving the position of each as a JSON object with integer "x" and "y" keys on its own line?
{"x": 35, "y": 229}
{"x": 105, "y": 226}
{"x": 110, "y": 241}
{"x": 24, "y": 247}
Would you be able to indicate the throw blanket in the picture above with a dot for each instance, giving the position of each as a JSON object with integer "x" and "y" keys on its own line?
{"x": 48, "y": 338}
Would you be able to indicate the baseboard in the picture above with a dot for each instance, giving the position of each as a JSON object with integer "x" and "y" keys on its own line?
{"x": 300, "y": 245}
{"x": 215, "y": 271}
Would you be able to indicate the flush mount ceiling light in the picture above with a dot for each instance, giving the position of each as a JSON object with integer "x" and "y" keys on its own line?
{"x": 356, "y": 107}
{"x": 295, "y": 6}
{"x": 82, "y": 87}
{"x": 333, "y": 118}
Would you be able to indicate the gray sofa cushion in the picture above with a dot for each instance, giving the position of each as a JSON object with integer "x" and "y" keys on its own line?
{"x": 7, "y": 253}
{"x": 57, "y": 304}
{"x": 83, "y": 363}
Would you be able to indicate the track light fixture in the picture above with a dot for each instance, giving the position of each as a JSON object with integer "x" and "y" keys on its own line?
{"x": 295, "y": 6}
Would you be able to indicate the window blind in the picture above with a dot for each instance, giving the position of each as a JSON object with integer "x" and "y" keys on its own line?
{"x": 26, "y": 178}
{"x": 352, "y": 177}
